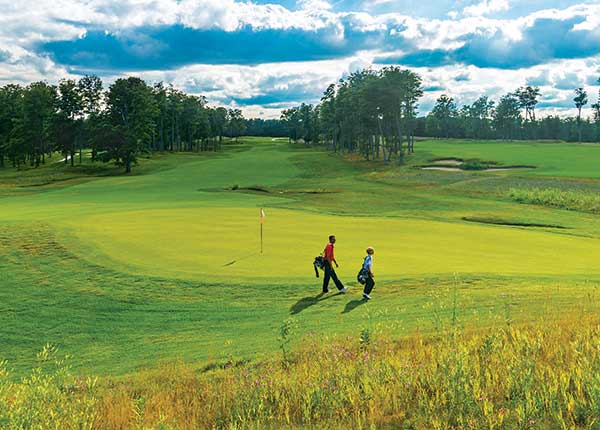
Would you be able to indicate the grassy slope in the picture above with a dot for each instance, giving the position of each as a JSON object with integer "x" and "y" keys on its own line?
{"x": 129, "y": 271}
{"x": 504, "y": 377}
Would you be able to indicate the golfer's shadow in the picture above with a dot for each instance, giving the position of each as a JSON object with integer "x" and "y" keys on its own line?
{"x": 350, "y": 306}
{"x": 307, "y": 302}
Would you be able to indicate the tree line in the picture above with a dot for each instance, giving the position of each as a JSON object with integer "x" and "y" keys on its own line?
{"x": 266, "y": 127}
{"x": 373, "y": 113}
{"x": 369, "y": 112}
{"x": 512, "y": 117}
{"x": 117, "y": 124}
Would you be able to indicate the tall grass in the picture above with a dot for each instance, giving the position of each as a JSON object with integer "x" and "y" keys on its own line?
{"x": 563, "y": 199}
{"x": 50, "y": 397}
{"x": 506, "y": 377}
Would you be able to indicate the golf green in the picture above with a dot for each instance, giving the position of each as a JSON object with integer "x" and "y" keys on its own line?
{"x": 225, "y": 246}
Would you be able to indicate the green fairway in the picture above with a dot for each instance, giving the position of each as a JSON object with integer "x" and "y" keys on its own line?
{"x": 131, "y": 271}
{"x": 550, "y": 159}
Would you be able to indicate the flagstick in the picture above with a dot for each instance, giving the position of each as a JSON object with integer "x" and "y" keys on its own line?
{"x": 261, "y": 231}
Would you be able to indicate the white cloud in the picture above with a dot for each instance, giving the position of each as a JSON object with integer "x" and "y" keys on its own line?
{"x": 486, "y": 7}
{"x": 312, "y": 5}
{"x": 22, "y": 26}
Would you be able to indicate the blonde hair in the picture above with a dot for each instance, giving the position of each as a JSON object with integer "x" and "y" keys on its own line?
{"x": 370, "y": 250}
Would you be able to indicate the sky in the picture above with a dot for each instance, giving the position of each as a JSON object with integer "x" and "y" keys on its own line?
{"x": 266, "y": 55}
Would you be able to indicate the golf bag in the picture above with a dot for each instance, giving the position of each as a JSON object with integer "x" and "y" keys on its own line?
{"x": 362, "y": 276}
{"x": 319, "y": 263}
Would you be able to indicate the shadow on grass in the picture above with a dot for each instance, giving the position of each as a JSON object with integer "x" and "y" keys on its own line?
{"x": 307, "y": 302}
{"x": 350, "y": 306}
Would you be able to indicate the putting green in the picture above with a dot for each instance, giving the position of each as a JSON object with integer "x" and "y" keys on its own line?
{"x": 224, "y": 247}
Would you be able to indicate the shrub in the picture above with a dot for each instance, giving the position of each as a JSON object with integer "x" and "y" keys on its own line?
{"x": 473, "y": 165}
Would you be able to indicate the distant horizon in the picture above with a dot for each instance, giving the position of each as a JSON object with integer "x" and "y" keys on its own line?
{"x": 266, "y": 56}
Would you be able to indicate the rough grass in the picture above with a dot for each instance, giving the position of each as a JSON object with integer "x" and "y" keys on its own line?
{"x": 564, "y": 199}
{"x": 509, "y": 376}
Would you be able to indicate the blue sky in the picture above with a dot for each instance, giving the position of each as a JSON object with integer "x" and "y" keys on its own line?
{"x": 265, "y": 55}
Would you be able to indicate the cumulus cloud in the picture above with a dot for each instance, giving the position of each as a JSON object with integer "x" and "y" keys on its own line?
{"x": 540, "y": 79}
{"x": 267, "y": 55}
{"x": 593, "y": 79}
{"x": 568, "y": 81}
{"x": 541, "y": 38}
{"x": 486, "y": 7}
{"x": 314, "y": 5}
{"x": 265, "y": 88}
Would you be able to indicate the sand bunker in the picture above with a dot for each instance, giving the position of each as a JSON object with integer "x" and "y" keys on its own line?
{"x": 448, "y": 161}
{"x": 489, "y": 169}
{"x": 443, "y": 169}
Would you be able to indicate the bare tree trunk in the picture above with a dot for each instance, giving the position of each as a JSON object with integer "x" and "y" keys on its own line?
{"x": 386, "y": 145}
{"x": 579, "y": 124}
{"x": 400, "y": 140}
{"x": 383, "y": 141}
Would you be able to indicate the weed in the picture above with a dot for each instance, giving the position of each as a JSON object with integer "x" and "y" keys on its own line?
{"x": 286, "y": 332}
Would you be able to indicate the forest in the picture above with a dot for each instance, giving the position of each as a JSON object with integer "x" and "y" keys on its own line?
{"x": 374, "y": 113}
{"x": 114, "y": 125}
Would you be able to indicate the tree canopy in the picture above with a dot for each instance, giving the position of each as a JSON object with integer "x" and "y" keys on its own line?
{"x": 116, "y": 125}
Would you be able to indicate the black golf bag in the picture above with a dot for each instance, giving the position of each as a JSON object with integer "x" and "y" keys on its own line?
{"x": 319, "y": 263}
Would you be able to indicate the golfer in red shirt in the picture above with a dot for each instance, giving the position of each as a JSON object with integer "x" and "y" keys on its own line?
{"x": 329, "y": 272}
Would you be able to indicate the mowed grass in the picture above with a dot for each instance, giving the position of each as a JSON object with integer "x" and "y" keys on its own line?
{"x": 225, "y": 249}
{"x": 549, "y": 158}
{"x": 133, "y": 271}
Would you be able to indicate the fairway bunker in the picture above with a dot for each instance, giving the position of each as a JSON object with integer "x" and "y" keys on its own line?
{"x": 489, "y": 169}
{"x": 442, "y": 169}
{"x": 448, "y": 161}
{"x": 499, "y": 221}
{"x": 260, "y": 189}
{"x": 454, "y": 164}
